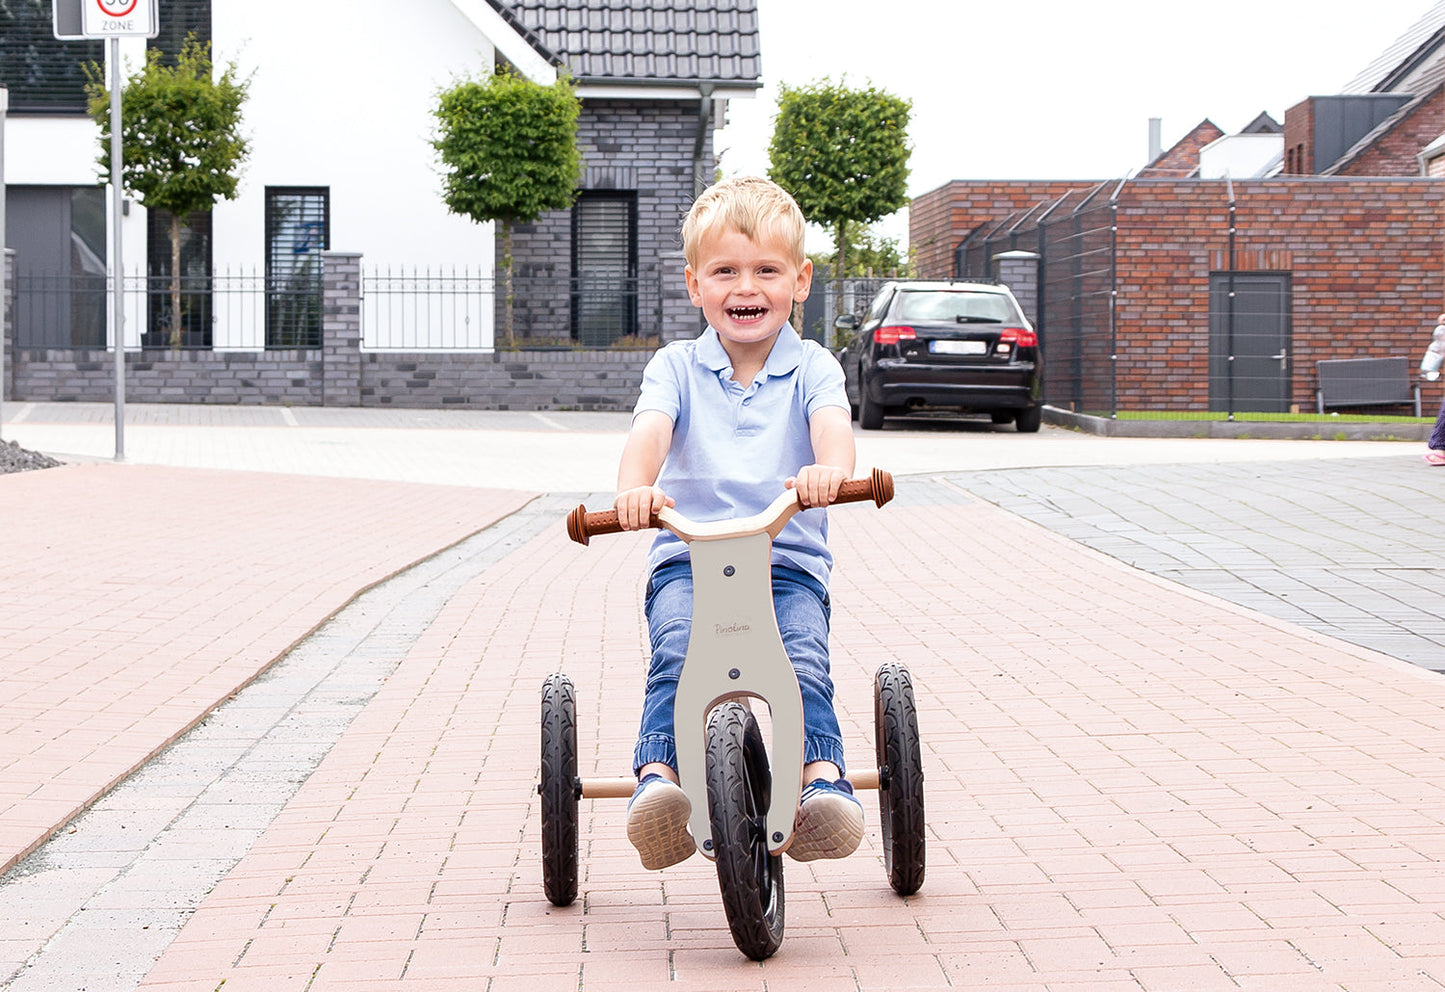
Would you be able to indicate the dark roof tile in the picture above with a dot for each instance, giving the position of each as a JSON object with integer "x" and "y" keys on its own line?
{"x": 655, "y": 40}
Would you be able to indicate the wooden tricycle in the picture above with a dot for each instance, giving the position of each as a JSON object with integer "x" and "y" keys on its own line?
{"x": 736, "y": 654}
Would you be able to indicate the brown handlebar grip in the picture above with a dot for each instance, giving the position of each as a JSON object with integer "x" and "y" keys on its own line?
{"x": 878, "y": 487}
{"x": 581, "y": 525}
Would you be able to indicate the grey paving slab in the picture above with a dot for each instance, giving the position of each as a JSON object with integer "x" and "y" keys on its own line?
{"x": 1347, "y": 547}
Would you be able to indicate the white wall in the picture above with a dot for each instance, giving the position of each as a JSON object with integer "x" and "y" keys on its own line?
{"x": 341, "y": 95}
{"x": 1240, "y": 156}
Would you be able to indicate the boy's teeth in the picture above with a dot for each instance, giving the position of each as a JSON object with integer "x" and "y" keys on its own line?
{"x": 747, "y": 311}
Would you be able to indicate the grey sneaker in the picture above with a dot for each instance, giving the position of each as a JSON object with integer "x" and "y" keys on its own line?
{"x": 657, "y": 817}
{"x": 829, "y": 823}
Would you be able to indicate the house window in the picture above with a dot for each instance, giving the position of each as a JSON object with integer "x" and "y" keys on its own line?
{"x": 604, "y": 267}
{"x": 44, "y": 76}
{"x": 298, "y": 230}
{"x": 180, "y": 20}
{"x": 194, "y": 233}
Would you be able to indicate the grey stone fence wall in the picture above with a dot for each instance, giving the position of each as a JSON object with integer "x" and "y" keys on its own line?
{"x": 339, "y": 373}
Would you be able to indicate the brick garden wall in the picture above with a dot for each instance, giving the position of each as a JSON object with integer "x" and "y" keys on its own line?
{"x": 1364, "y": 257}
{"x": 941, "y": 218}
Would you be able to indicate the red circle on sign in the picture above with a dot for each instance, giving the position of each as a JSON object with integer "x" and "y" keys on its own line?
{"x": 106, "y": 5}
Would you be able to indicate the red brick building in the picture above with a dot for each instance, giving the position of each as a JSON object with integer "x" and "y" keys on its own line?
{"x": 1192, "y": 287}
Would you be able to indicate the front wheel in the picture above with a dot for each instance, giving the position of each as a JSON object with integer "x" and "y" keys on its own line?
{"x": 739, "y": 788}
{"x": 900, "y": 778}
{"x": 559, "y": 789}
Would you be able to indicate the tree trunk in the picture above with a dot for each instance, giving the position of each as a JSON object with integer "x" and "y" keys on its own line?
{"x": 509, "y": 297}
{"x": 176, "y": 332}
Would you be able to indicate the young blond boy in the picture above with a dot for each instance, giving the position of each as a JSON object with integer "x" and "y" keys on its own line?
{"x": 722, "y": 424}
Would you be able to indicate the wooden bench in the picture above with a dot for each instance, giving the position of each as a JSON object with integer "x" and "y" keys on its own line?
{"x": 1365, "y": 382}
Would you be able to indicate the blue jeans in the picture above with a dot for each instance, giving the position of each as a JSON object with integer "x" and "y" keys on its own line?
{"x": 803, "y": 610}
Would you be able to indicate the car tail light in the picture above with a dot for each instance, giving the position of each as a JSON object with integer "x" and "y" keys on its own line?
{"x": 893, "y": 334}
{"x": 1020, "y": 336}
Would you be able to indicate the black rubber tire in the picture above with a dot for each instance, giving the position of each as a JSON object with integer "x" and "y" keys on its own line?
{"x": 560, "y": 789}
{"x": 1001, "y": 417}
{"x": 900, "y": 778}
{"x": 1029, "y": 421}
{"x": 870, "y": 414}
{"x": 739, "y": 789}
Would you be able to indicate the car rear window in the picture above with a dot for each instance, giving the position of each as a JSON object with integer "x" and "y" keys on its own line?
{"x": 949, "y": 306}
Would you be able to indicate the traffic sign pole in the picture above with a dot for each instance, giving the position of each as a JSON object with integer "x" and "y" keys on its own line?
{"x": 117, "y": 211}
{"x": 112, "y": 20}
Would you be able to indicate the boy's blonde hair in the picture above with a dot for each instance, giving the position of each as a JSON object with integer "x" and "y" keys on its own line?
{"x": 754, "y": 207}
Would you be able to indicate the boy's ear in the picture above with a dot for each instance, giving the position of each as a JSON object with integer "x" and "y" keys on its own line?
{"x": 693, "y": 292}
{"x": 805, "y": 281}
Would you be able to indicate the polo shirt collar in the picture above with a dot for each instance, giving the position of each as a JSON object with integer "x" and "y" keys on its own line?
{"x": 787, "y": 353}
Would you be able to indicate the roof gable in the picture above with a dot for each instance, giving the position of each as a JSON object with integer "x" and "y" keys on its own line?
{"x": 687, "y": 42}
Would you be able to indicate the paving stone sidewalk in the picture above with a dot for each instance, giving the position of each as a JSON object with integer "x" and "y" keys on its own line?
{"x": 138, "y": 598}
{"x": 1131, "y": 785}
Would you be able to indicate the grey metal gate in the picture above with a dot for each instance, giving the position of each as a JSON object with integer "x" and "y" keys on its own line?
{"x": 1249, "y": 341}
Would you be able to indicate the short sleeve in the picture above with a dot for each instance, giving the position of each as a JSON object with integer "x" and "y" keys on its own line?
{"x": 822, "y": 379}
{"x": 662, "y": 383}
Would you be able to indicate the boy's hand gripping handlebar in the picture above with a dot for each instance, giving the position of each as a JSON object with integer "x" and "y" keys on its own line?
{"x": 582, "y": 526}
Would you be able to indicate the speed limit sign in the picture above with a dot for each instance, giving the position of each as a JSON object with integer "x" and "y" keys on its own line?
{"x": 119, "y": 18}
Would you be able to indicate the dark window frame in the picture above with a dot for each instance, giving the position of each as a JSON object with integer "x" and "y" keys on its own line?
{"x": 293, "y": 294}
{"x": 592, "y": 295}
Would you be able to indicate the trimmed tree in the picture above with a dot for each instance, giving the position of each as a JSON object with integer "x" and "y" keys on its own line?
{"x": 843, "y": 154}
{"x": 181, "y": 141}
{"x": 509, "y": 148}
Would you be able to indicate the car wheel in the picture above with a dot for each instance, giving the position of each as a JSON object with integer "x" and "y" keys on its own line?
{"x": 1029, "y": 420}
{"x": 1000, "y": 417}
{"x": 870, "y": 414}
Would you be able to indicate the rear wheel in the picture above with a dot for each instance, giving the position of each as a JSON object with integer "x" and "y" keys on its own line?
{"x": 1000, "y": 418}
{"x": 739, "y": 788}
{"x": 870, "y": 414}
{"x": 559, "y": 789}
{"x": 900, "y": 778}
{"x": 1029, "y": 420}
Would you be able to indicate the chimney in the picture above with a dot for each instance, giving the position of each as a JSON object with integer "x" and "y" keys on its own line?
{"x": 1156, "y": 146}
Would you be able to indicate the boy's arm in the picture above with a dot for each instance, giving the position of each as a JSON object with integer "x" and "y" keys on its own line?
{"x": 638, "y": 497}
{"x": 834, "y": 455}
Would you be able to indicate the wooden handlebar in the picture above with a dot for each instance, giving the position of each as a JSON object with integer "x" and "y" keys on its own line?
{"x": 583, "y": 526}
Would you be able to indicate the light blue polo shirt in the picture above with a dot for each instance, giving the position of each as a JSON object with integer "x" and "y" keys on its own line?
{"x": 733, "y": 446}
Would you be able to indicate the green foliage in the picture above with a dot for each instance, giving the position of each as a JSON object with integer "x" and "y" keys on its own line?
{"x": 843, "y": 154}
{"x": 509, "y": 146}
{"x": 180, "y": 130}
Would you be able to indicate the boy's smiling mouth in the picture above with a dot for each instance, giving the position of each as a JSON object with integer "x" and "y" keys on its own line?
{"x": 747, "y": 313}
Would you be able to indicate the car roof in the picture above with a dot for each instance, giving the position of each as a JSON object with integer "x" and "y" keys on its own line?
{"x": 950, "y": 286}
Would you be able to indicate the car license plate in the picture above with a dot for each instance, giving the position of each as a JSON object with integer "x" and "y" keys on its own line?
{"x": 958, "y": 347}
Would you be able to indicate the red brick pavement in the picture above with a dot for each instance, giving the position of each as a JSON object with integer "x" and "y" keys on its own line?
{"x": 1130, "y": 786}
{"x": 138, "y": 598}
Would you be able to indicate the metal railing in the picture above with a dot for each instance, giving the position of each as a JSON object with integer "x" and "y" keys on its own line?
{"x": 231, "y": 310}
{"x": 459, "y": 309}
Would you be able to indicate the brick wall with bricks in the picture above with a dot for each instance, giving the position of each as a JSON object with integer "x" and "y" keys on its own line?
{"x": 941, "y": 218}
{"x": 1363, "y": 257}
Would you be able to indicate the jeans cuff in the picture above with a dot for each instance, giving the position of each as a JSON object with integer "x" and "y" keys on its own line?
{"x": 822, "y": 748}
{"x": 654, "y": 747}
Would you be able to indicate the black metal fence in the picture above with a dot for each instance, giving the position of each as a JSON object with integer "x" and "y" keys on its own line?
{"x": 243, "y": 311}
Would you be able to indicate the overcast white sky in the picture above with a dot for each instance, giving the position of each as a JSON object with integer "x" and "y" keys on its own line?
{"x": 1004, "y": 89}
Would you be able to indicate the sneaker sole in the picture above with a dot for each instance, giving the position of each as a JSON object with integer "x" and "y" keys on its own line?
{"x": 657, "y": 827}
{"x": 827, "y": 827}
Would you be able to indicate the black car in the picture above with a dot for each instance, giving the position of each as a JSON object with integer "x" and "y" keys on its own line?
{"x": 959, "y": 346}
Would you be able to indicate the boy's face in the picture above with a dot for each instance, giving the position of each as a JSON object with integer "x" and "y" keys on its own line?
{"x": 746, "y": 289}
